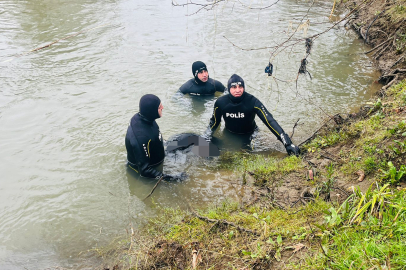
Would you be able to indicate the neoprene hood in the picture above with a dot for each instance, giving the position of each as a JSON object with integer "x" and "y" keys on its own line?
{"x": 235, "y": 79}
{"x": 149, "y": 106}
{"x": 197, "y": 67}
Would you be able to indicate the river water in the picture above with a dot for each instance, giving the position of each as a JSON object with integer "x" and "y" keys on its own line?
{"x": 64, "y": 109}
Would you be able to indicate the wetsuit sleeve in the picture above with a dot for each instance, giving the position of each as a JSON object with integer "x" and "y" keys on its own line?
{"x": 219, "y": 86}
{"x": 142, "y": 157}
{"x": 268, "y": 119}
{"x": 214, "y": 122}
{"x": 215, "y": 118}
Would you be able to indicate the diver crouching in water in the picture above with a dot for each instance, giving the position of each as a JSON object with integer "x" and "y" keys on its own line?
{"x": 144, "y": 142}
{"x": 201, "y": 84}
{"x": 238, "y": 110}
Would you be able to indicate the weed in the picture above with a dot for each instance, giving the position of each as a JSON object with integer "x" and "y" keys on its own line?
{"x": 326, "y": 140}
{"x": 370, "y": 165}
{"x": 392, "y": 175}
{"x": 400, "y": 43}
{"x": 373, "y": 200}
{"x": 399, "y": 149}
{"x": 399, "y": 129}
{"x": 374, "y": 243}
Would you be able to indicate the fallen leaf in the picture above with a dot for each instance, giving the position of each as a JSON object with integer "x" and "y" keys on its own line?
{"x": 310, "y": 174}
{"x": 298, "y": 247}
{"x": 361, "y": 175}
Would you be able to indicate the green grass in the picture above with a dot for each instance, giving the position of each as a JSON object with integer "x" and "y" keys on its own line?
{"x": 376, "y": 242}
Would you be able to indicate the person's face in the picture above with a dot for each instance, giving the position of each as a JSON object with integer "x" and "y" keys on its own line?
{"x": 160, "y": 108}
{"x": 236, "y": 90}
{"x": 203, "y": 75}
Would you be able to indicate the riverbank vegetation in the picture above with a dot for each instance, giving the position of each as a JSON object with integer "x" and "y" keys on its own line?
{"x": 341, "y": 205}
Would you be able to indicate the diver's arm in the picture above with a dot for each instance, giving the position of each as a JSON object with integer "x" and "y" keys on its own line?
{"x": 275, "y": 128}
{"x": 268, "y": 119}
{"x": 214, "y": 122}
{"x": 219, "y": 86}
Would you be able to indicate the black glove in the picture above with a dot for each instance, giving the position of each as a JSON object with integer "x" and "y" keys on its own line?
{"x": 174, "y": 177}
{"x": 292, "y": 150}
{"x": 289, "y": 146}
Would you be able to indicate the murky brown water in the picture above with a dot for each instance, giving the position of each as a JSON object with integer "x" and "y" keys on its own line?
{"x": 64, "y": 109}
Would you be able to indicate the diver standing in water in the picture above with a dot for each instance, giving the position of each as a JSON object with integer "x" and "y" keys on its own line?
{"x": 144, "y": 142}
{"x": 238, "y": 110}
{"x": 201, "y": 84}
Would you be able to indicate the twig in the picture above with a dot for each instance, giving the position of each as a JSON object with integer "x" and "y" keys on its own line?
{"x": 157, "y": 183}
{"x": 261, "y": 8}
{"x": 332, "y": 10}
{"x": 400, "y": 58}
{"x": 377, "y": 16}
{"x": 342, "y": 190}
{"x": 378, "y": 46}
{"x": 225, "y": 222}
{"x": 293, "y": 129}
{"x": 395, "y": 76}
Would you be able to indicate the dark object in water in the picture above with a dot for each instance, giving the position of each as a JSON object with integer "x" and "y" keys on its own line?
{"x": 309, "y": 43}
{"x": 200, "y": 146}
{"x": 303, "y": 69}
{"x": 269, "y": 69}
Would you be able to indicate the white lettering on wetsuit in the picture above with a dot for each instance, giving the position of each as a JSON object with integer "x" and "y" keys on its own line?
{"x": 235, "y": 115}
{"x": 145, "y": 149}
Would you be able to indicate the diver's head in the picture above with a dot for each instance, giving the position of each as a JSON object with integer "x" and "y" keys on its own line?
{"x": 199, "y": 70}
{"x": 236, "y": 86}
{"x": 150, "y": 107}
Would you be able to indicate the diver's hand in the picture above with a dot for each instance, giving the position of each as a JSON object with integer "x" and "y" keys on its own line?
{"x": 292, "y": 149}
{"x": 289, "y": 146}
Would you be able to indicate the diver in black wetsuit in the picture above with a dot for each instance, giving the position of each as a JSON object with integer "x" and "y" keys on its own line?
{"x": 238, "y": 110}
{"x": 201, "y": 84}
{"x": 144, "y": 141}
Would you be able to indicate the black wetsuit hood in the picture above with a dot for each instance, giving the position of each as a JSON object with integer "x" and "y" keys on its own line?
{"x": 235, "y": 79}
{"x": 196, "y": 68}
{"x": 149, "y": 107}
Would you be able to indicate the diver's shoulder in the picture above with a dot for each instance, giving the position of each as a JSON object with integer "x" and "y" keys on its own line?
{"x": 187, "y": 85}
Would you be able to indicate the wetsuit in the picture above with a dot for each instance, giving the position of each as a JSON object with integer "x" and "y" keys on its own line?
{"x": 143, "y": 140}
{"x": 144, "y": 145}
{"x": 239, "y": 115}
{"x": 199, "y": 88}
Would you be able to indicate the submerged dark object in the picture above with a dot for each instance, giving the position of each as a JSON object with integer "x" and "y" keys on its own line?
{"x": 199, "y": 145}
{"x": 269, "y": 69}
{"x": 303, "y": 69}
{"x": 309, "y": 43}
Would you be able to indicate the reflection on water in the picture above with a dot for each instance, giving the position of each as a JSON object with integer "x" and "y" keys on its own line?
{"x": 64, "y": 110}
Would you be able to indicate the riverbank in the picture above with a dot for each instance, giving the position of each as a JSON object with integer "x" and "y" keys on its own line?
{"x": 339, "y": 206}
